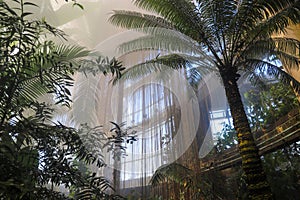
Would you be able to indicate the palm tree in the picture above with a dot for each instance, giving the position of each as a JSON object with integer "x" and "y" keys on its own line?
{"x": 230, "y": 37}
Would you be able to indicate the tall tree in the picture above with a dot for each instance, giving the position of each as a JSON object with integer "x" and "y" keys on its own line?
{"x": 230, "y": 37}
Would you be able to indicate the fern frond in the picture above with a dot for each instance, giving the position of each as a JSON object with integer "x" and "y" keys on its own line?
{"x": 173, "y": 171}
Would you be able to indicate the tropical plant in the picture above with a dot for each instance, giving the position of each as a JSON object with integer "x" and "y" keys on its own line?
{"x": 282, "y": 165}
{"x": 173, "y": 171}
{"x": 36, "y": 152}
{"x": 270, "y": 104}
{"x": 177, "y": 173}
{"x": 264, "y": 108}
{"x": 228, "y": 185}
{"x": 198, "y": 184}
{"x": 282, "y": 168}
{"x": 227, "y": 138}
{"x": 230, "y": 37}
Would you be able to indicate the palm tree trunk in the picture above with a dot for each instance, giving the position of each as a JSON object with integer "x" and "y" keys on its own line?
{"x": 257, "y": 184}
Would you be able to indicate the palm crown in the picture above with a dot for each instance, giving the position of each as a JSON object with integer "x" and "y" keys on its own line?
{"x": 229, "y": 35}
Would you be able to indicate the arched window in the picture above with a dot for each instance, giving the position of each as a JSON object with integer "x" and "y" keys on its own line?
{"x": 154, "y": 111}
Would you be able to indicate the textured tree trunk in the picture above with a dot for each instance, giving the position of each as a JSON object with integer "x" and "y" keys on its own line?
{"x": 257, "y": 184}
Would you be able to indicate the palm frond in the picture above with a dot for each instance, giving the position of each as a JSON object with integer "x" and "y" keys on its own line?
{"x": 158, "y": 43}
{"x": 70, "y": 53}
{"x": 159, "y": 64}
{"x": 278, "y": 15}
{"x": 265, "y": 70}
{"x": 163, "y": 67}
{"x": 161, "y": 39}
{"x": 287, "y": 60}
{"x": 287, "y": 51}
{"x": 260, "y": 20}
{"x": 133, "y": 20}
{"x": 284, "y": 49}
{"x": 85, "y": 99}
{"x": 31, "y": 89}
{"x": 178, "y": 12}
{"x": 174, "y": 171}
{"x": 272, "y": 8}
{"x": 288, "y": 45}
{"x": 255, "y": 79}
{"x": 174, "y": 15}
{"x": 196, "y": 75}
{"x": 258, "y": 49}
{"x": 51, "y": 65}
{"x": 221, "y": 11}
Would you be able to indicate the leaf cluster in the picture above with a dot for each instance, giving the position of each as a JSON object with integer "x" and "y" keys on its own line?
{"x": 227, "y": 138}
{"x": 102, "y": 65}
{"x": 117, "y": 140}
{"x": 267, "y": 106}
{"x": 35, "y": 153}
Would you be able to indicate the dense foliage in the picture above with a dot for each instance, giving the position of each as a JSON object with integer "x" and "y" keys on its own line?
{"x": 282, "y": 166}
{"x": 265, "y": 107}
{"x": 37, "y": 153}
